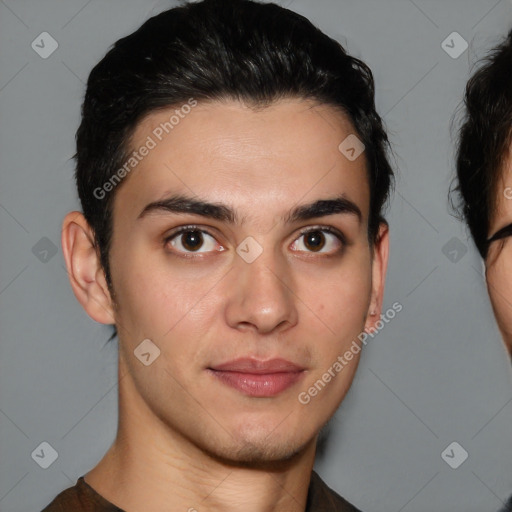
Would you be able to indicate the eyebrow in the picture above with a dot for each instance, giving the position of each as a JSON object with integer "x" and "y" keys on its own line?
{"x": 224, "y": 213}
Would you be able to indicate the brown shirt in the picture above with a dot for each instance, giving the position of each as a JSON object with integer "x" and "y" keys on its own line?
{"x": 83, "y": 498}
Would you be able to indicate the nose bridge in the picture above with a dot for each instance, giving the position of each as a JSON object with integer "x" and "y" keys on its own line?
{"x": 262, "y": 292}
{"x": 267, "y": 272}
{"x": 265, "y": 277}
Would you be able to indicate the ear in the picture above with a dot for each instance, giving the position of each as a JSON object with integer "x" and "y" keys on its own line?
{"x": 84, "y": 268}
{"x": 379, "y": 268}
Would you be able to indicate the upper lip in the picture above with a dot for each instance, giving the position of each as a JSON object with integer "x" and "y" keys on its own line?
{"x": 255, "y": 366}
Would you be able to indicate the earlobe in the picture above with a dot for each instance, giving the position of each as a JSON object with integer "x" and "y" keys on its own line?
{"x": 84, "y": 268}
{"x": 379, "y": 268}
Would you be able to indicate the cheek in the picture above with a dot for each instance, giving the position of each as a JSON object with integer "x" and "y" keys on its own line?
{"x": 172, "y": 303}
{"x": 150, "y": 301}
{"x": 344, "y": 296}
{"x": 337, "y": 305}
{"x": 499, "y": 284}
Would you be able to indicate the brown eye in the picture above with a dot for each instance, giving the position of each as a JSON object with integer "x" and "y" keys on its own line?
{"x": 323, "y": 241}
{"x": 192, "y": 240}
{"x": 314, "y": 240}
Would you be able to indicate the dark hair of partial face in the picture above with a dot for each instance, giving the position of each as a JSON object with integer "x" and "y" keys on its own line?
{"x": 484, "y": 141}
{"x": 256, "y": 53}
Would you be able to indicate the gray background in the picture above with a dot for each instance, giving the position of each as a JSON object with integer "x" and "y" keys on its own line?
{"x": 437, "y": 373}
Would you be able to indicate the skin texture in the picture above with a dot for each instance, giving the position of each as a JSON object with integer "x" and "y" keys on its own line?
{"x": 185, "y": 439}
{"x": 498, "y": 269}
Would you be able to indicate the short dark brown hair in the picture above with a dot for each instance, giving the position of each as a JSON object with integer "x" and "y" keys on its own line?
{"x": 484, "y": 141}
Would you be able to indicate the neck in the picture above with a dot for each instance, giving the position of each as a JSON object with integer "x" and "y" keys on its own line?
{"x": 151, "y": 467}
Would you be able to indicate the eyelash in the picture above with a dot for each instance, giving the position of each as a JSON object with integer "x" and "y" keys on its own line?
{"x": 324, "y": 229}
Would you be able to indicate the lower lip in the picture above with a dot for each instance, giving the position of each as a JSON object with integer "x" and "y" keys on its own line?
{"x": 259, "y": 385}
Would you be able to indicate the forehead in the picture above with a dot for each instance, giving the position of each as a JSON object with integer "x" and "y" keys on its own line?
{"x": 274, "y": 157}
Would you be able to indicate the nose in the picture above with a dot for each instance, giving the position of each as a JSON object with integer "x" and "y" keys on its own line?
{"x": 261, "y": 296}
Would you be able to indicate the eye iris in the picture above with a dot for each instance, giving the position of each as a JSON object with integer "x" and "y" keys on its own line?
{"x": 192, "y": 240}
{"x": 315, "y": 240}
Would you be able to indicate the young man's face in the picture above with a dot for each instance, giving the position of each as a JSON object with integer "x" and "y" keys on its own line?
{"x": 498, "y": 268}
{"x": 219, "y": 311}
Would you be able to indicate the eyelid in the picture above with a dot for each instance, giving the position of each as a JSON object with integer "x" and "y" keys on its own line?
{"x": 185, "y": 229}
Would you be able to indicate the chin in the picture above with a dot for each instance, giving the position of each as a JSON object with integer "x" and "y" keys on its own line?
{"x": 257, "y": 456}
{"x": 263, "y": 451}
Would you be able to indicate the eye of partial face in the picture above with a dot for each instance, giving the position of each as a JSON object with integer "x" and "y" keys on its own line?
{"x": 500, "y": 234}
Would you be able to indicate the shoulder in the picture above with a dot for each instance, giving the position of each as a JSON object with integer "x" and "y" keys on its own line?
{"x": 80, "y": 498}
{"x": 321, "y": 498}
